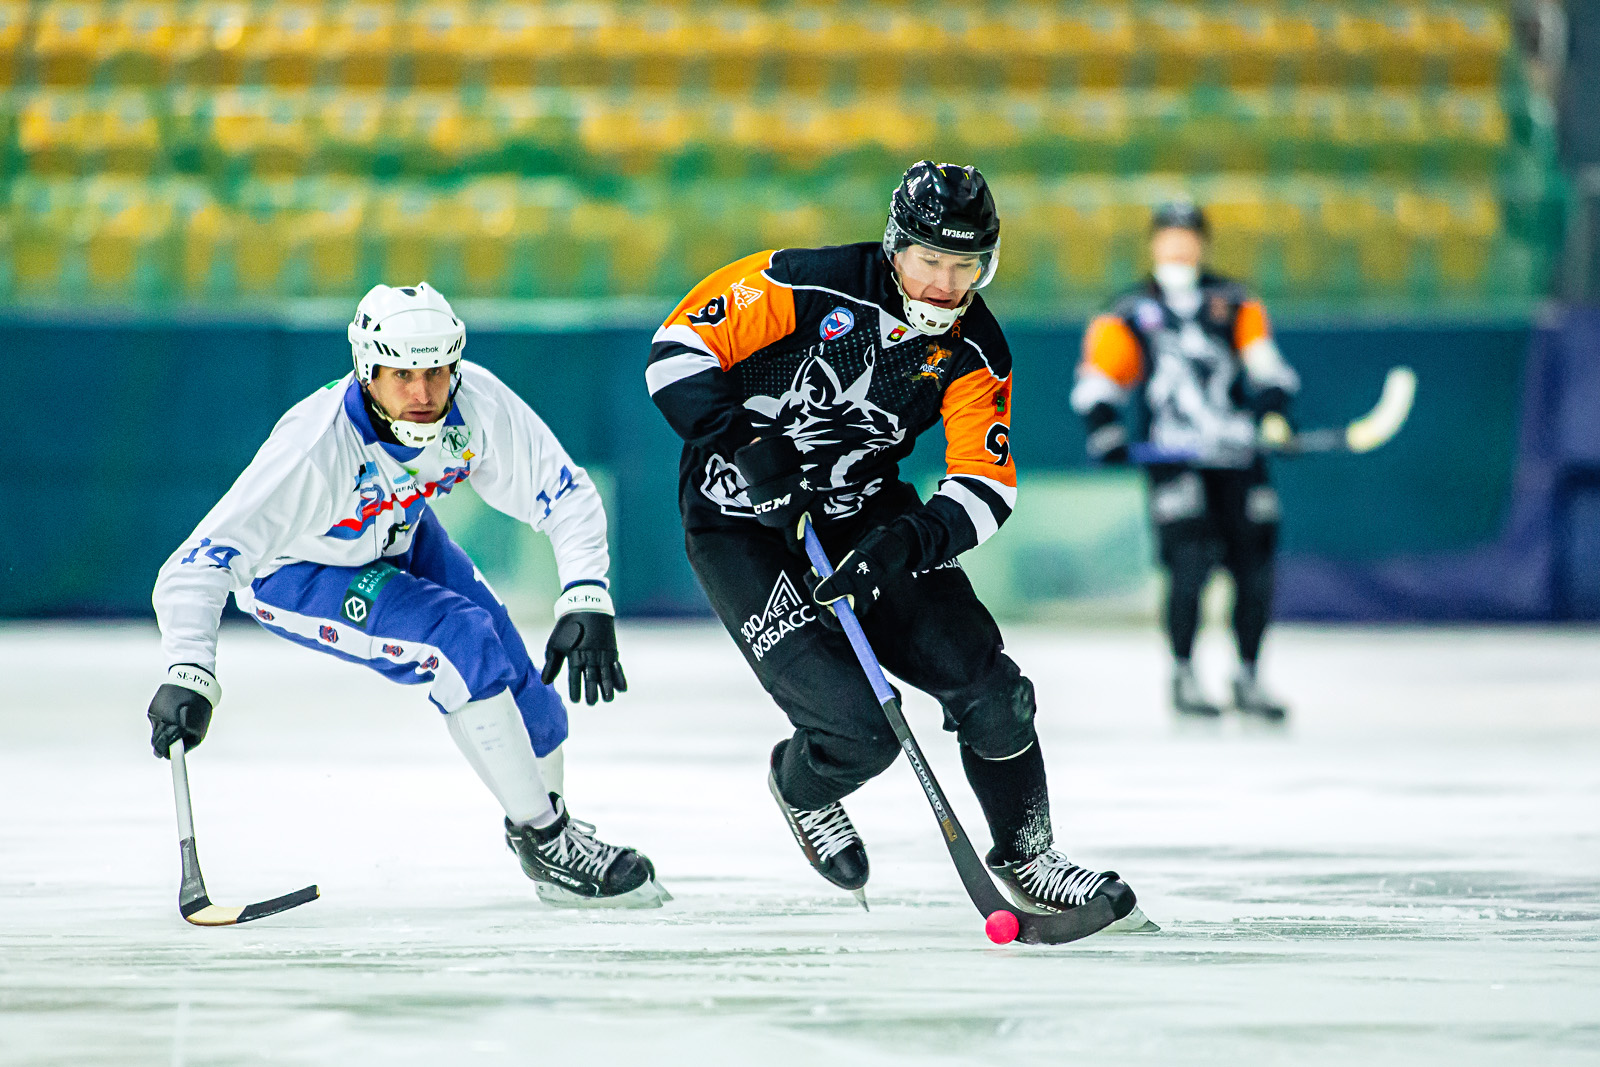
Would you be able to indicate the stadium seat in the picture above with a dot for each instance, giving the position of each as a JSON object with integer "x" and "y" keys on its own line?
{"x": 262, "y": 131}
{"x": 15, "y": 26}
{"x": 210, "y": 48}
{"x": 128, "y": 251}
{"x": 359, "y": 45}
{"x": 351, "y": 130}
{"x": 417, "y": 230}
{"x": 140, "y": 45}
{"x": 66, "y": 41}
{"x": 45, "y": 249}
{"x": 53, "y": 129}
{"x": 282, "y": 49}
{"x": 438, "y": 37}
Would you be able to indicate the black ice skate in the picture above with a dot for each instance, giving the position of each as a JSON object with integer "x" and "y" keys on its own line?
{"x": 1187, "y": 696}
{"x": 1054, "y": 883}
{"x": 828, "y": 839}
{"x": 571, "y": 868}
{"x": 1251, "y": 698}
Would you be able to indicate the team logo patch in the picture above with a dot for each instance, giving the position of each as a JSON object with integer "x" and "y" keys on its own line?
{"x": 715, "y": 311}
{"x": 454, "y": 439}
{"x": 264, "y": 615}
{"x": 836, "y": 324}
{"x": 363, "y": 590}
{"x": 356, "y": 609}
{"x": 897, "y": 333}
{"x": 329, "y": 634}
{"x": 394, "y": 650}
{"x": 1150, "y": 316}
{"x": 785, "y": 613}
{"x": 744, "y": 295}
{"x": 428, "y": 664}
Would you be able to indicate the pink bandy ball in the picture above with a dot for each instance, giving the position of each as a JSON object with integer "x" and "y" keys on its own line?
{"x": 1002, "y": 927}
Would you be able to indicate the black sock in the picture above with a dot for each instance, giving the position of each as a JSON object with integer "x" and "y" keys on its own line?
{"x": 1015, "y": 799}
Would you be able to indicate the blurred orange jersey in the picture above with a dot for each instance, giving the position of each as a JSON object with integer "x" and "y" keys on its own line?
{"x": 811, "y": 342}
{"x": 1189, "y": 368}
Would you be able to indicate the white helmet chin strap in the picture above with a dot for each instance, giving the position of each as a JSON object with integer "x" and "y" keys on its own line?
{"x": 929, "y": 319}
{"x": 414, "y": 434}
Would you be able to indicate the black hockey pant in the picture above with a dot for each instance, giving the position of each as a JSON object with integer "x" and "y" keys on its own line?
{"x": 1206, "y": 517}
{"x": 929, "y": 630}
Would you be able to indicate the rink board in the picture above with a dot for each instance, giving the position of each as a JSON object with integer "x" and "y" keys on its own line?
{"x": 1406, "y": 875}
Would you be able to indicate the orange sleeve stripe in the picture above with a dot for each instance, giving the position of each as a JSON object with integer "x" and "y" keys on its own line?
{"x": 738, "y": 310}
{"x": 977, "y": 427}
{"x": 1251, "y": 325}
{"x": 1110, "y": 347}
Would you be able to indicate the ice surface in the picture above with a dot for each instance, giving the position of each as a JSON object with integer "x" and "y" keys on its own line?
{"x": 1408, "y": 874}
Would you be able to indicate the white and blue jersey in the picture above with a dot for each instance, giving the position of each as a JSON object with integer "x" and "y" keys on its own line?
{"x": 328, "y": 540}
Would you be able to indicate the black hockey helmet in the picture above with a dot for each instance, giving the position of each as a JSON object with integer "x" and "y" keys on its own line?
{"x": 947, "y": 207}
{"x": 1181, "y": 214}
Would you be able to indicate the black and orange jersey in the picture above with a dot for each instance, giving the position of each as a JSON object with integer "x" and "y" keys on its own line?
{"x": 810, "y": 342}
{"x": 1190, "y": 371}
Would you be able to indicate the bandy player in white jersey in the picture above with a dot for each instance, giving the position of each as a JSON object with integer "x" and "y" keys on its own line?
{"x": 328, "y": 540}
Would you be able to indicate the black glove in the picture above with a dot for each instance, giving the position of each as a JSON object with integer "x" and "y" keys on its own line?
{"x": 1271, "y": 400}
{"x": 181, "y": 709}
{"x": 777, "y": 485}
{"x": 865, "y": 573}
{"x": 585, "y": 634}
{"x": 1108, "y": 438}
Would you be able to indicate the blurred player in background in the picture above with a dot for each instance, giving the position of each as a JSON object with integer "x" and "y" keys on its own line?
{"x": 328, "y": 540}
{"x": 799, "y": 379}
{"x": 1189, "y": 355}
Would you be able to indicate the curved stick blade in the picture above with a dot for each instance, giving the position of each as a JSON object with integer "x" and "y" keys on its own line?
{"x": 1380, "y": 425}
{"x": 202, "y": 912}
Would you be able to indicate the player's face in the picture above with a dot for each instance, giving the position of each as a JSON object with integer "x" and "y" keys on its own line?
{"x": 412, "y": 395}
{"x": 1174, "y": 245}
{"x": 940, "y": 278}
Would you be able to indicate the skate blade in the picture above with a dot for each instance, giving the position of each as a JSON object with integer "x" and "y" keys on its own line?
{"x": 1134, "y": 922}
{"x": 649, "y": 895}
{"x": 861, "y": 898}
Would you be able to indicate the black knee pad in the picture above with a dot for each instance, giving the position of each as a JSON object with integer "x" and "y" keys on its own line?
{"x": 994, "y": 716}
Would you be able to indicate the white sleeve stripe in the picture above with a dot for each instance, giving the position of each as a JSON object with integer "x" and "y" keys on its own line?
{"x": 678, "y": 333}
{"x": 1095, "y": 388}
{"x": 1266, "y": 366}
{"x": 977, "y": 510}
{"x": 664, "y": 372}
{"x": 1007, "y": 493}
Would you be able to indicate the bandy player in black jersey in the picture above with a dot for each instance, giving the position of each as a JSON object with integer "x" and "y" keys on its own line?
{"x": 1190, "y": 355}
{"x": 798, "y": 380}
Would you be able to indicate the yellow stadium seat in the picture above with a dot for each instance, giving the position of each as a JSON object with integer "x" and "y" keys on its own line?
{"x": 209, "y": 236}
{"x": 515, "y": 38}
{"x": 438, "y": 37}
{"x": 53, "y": 129}
{"x": 126, "y": 254}
{"x": 435, "y": 134}
{"x": 419, "y": 234}
{"x": 332, "y": 227}
{"x": 44, "y": 242}
{"x": 1475, "y": 117}
{"x": 140, "y": 47}
{"x": 359, "y": 46}
{"x": 66, "y": 41}
{"x": 1476, "y": 41}
{"x": 1097, "y": 43}
{"x": 350, "y": 128}
{"x": 620, "y": 251}
{"x": 1173, "y": 40}
{"x": 570, "y": 50}
{"x": 491, "y": 227}
{"x": 127, "y": 137}
{"x": 211, "y": 44}
{"x": 734, "y": 43}
{"x": 264, "y": 130}
{"x": 815, "y": 47}
{"x": 282, "y": 49}
{"x": 1457, "y": 226}
{"x": 648, "y": 48}
{"x": 15, "y": 22}
{"x": 635, "y": 133}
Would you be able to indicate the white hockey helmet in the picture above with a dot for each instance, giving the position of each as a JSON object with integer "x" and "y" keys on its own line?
{"x": 408, "y": 327}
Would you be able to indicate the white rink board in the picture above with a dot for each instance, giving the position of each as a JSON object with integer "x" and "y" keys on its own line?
{"x": 1409, "y": 874}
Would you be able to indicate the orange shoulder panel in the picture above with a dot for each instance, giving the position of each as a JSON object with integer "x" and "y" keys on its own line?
{"x": 1251, "y": 325}
{"x": 977, "y": 427}
{"x": 1110, "y": 347}
{"x": 738, "y": 310}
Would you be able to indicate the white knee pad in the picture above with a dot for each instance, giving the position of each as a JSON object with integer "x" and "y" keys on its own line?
{"x": 491, "y": 734}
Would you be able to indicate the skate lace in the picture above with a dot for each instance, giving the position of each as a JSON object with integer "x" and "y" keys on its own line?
{"x": 577, "y": 848}
{"x": 1052, "y": 876}
{"x": 828, "y": 829}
